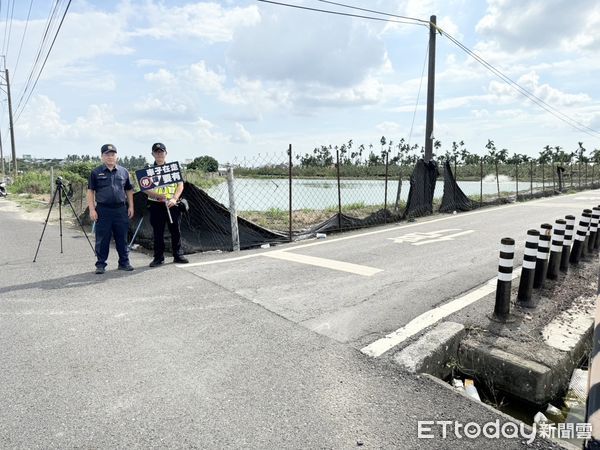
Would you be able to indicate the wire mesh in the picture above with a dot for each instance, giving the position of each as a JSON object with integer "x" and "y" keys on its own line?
{"x": 280, "y": 192}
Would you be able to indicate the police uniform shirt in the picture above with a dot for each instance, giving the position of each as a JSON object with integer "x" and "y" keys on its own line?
{"x": 110, "y": 185}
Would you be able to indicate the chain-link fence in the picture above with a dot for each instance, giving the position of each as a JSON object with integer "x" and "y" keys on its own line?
{"x": 277, "y": 193}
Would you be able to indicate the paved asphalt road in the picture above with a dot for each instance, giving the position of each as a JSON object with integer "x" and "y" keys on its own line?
{"x": 417, "y": 269}
{"x": 207, "y": 357}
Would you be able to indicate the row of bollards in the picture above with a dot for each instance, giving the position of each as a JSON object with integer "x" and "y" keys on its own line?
{"x": 548, "y": 251}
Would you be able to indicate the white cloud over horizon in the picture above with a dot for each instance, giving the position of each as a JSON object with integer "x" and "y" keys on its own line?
{"x": 237, "y": 77}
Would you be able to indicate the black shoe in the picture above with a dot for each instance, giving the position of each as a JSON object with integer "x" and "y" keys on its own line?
{"x": 156, "y": 262}
{"x": 180, "y": 260}
{"x": 100, "y": 270}
{"x": 127, "y": 268}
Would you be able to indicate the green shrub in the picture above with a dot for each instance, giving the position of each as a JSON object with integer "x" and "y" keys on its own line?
{"x": 31, "y": 183}
{"x": 78, "y": 171}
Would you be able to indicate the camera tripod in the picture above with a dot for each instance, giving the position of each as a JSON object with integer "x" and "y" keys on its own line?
{"x": 60, "y": 190}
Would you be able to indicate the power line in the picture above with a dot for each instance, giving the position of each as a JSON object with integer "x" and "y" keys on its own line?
{"x": 426, "y": 22}
{"x": 418, "y": 95}
{"x": 338, "y": 13}
{"x": 51, "y": 15}
{"x": 521, "y": 90}
{"x": 28, "y": 90}
{"x": 12, "y": 12}
{"x": 513, "y": 84}
{"x": 45, "y": 60}
{"x": 23, "y": 38}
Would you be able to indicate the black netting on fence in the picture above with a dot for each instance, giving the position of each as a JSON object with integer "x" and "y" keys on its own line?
{"x": 454, "y": 199}
{"x": 341, "y": 222}
{"x": 422, "y": 188}
{"x": 207, "y": 225}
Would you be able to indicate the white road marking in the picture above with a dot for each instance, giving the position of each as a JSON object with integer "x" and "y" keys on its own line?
{"x": 218, "y": 261}
{"x": 429, "y": 237}
{"x": 385, "y": 230}
{"x": 418, "y": 324}
{"x": 323, "y": 262}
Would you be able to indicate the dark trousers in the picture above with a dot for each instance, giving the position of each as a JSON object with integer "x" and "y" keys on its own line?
{"x": 111, "y": 222}
{"x": 158, "y": 220}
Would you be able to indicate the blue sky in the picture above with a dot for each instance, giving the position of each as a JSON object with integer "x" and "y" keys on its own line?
{"x": 233, "y": 79}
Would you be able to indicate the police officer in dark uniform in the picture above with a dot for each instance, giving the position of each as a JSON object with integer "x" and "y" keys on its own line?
{"x": 163, "y": 203}
{"x": 110, "y": 201}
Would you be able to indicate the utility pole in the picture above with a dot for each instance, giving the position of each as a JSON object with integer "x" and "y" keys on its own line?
{"x": 430, "y": 91}
{"x": 12, "y": 128}
{"x": 2, "y": 158}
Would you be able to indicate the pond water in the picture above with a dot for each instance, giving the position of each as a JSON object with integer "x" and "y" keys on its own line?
{"x": 264, "y": 194}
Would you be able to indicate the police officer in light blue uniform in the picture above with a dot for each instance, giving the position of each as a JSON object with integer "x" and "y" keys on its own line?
{"x": 110, "y": 202}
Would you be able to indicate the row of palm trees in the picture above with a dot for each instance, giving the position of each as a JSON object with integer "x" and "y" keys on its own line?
{"x": 403, "y": 153}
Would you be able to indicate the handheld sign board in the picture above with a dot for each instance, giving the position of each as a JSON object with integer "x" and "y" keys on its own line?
{"x": 156, "y": 176}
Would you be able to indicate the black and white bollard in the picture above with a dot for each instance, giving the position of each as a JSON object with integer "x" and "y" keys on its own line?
{"x": 566, "y": 251}
{"x": 541, "y": 263}
{"x": 528, "y": 270}
{"x": 593, "y": 245}
{"x": 584, "y": 249}
{"x": 579, "y": 238}
{"x": 556, "y": 249}
{"x": 505, "y": 268}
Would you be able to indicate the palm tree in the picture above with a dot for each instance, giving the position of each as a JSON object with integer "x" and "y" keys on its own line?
{"x": 493, "y": 157}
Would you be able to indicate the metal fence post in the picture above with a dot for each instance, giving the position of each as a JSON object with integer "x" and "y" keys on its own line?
{"x": 337, "y": 158}
{"x": 517, "y": 178}
{"x": 235, "y": 234}
{"x": 481, "y": 185}
{"x": 290, "y": 189}
{"x": 543, "y": 181}
{"x": 531, "y": 177}
{"x": 386, "y": 189}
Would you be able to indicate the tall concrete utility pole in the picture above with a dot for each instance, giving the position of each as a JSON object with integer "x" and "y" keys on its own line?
{"x": 2, "y": 157}
{"x": 430, "y": 91}
{"x": 12, "y": 128}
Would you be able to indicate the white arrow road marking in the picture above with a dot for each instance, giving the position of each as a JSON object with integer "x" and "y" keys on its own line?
{"x": 420, "y": 238}
{"x": 445, "y": 238}
{"x": 323, "y": 262}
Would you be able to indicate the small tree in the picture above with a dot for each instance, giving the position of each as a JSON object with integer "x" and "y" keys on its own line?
{"x": 205, "y": 163}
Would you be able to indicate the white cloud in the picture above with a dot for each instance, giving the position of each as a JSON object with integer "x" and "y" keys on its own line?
{"x": 531, "y": 82}
{"x": 538, "y": 25}
{"x": 204, "y": 79}
{"x": 205, "y": 20}
{"x": 146, "y": 62}
{"x": 162, "y": 76}
{"x": 305, "y": 47}
{"x": 241, "y": 134}
{"x": 161, "y": 108}
{"x": 42, "y": 118}
{"x": 388, "y": 128}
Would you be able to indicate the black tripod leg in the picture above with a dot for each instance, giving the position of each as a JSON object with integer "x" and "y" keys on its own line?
{"x": 80, "y": 224}
{"x": 45, "y": 224}
{"x": 60, "y": 189}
